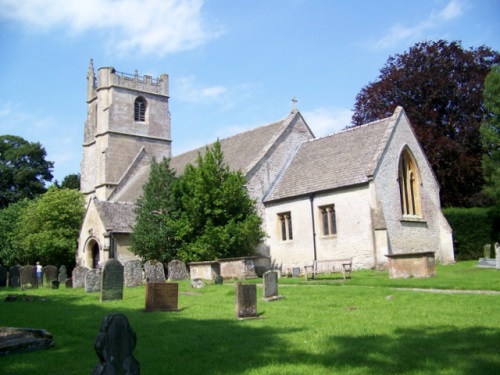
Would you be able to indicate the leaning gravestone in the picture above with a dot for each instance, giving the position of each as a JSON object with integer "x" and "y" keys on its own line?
{"x": 114, "y": 346}
{"x": 154, "y": 271}
{"x": 3, "y": 276}
{"x": 93, "y": 280}
{"x": 63, "y": 274}
{"x": 28, "y": 277}
{"x": 162, "y": 297}
{"x": 270, "y": 284}
{"x": 246, "y": 300}
{"x": 132, "y": 273}
{"x": 112, "y": 281}
{"x": 14, "y": 276}
{"x": 49, "y": 273}
{"x": 79, "y": 274}
{"x": 177, "y": 270}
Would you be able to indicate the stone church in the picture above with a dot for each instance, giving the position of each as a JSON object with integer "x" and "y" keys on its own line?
{"x": 363, "y": 193}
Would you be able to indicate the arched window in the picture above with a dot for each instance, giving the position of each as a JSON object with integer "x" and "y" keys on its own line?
{"x": 409, "y": 185}
{"x": 140, "y": 109}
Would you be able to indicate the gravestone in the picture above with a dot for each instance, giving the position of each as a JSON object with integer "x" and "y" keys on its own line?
{"x": 296, "y": 272}
{"x": 132, "y": 273}
{"x": 162, "y": 297}
{"x": 49, "y": 273}
{"x": 3, "y": 276}
{"x": 270, "y": 284}
{"x": 219, "y": 280}
{"x": 154, "y": 271}
{"x": 197, "y": 283}
{"x": 14, "y": 276}
{"x": 55, "y": 284}
{"x": 28, "y": 277}
{"x": 114, "y": 345}
{"x": 63, "y": 274}
{"x": 246, "y": 300}
{"x": 497, "y": 254}
{"x": 69, "y": 283}
{"x": 93, "y": 280}
{"x": 112, "y": 281}
{"x": 79, "y": 274}
{"x": 177, "y": 270}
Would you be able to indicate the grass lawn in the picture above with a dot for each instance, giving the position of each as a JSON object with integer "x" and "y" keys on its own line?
{"x": 362, "y": 326}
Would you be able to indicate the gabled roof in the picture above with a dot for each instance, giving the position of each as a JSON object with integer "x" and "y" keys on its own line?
{"x": 116, "y": 216}
{"x": 343, "y": 159}
{"x": 241, "y": 152}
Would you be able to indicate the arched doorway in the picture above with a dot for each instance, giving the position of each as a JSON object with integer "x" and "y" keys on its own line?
{"x": 95, "y": 255}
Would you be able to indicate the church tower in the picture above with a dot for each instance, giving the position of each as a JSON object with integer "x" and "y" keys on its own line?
{"x": 128, "y": 123}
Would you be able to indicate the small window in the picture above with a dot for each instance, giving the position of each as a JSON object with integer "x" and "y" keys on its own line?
{"x": 140, "y": 109}
{"x": 409, "y": 185}
{"x": 328, "y": 220}
{"x": 285, "y": 224}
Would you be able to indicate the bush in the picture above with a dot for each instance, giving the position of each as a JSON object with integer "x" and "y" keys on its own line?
{"x": 472, "y": 229}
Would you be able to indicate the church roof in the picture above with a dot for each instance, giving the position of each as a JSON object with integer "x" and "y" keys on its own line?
{"x": 241, "y": 152}
{"x": 339, "y": 160}
{"x": 116, "y": 216}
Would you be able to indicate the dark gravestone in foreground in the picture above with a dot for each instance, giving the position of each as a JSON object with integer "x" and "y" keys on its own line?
{"x": 49, "y": 273}
{"x": 246, "y": 300}
{"x": 28, "y": 277}
{"x": 112, "y": 281}
{"x": 154, "y": 271}
{"x": 177, "y": 270}
{"x": 114, "y": 346}
{"x": 132, "y": 273}
{"x": 162, "y": 297}
{"x": 14, "y": 276}
{"x": 3, "y": 276}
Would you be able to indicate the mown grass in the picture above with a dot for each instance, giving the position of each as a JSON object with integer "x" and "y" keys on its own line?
{"x": 363, "y": 326}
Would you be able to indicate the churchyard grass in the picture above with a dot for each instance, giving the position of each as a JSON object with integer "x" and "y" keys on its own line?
{"x": 327, "y": 328}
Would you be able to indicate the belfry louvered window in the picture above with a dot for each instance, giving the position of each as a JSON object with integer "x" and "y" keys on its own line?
{"x": 140, "y": 109}
{"x": 409, "y": 185}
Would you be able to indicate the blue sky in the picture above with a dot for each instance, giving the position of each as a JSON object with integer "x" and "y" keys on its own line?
{"x": 233, "y": 65}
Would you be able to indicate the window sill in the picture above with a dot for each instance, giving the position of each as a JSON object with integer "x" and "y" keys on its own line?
{"x": 329, "y": 237}
{"x": 413, "y": 219}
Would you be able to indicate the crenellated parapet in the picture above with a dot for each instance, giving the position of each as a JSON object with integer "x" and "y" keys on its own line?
{"x": 109, "y": 77}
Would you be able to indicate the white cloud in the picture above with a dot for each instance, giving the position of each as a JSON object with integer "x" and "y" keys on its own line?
{"x": 155, "y": 27}
{"x": 14, "y": 120}
{"x": 325, "y": 121}
{"x": 399, "y": 32}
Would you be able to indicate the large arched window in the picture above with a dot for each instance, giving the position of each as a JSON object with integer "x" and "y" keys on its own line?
{"x": 409, "y": 185}
{"x": 140, "y": 109}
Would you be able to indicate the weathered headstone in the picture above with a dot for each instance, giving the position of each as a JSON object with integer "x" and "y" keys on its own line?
{"x": 3, "y": 276}
{"x": 487, "y": 251}
{"x": 112, "y": 280}
{"x": 63, "y": 274}
{"x": 114, "y": 346}
{"x": 177, "y": 270}
{"x": 497, "y": 254}
{"x": 132, "y": 273}
{"x": 28, "y": 277}
{"x": 93, "y": 280}
{"x": 270, "y": 284}
{"x": 79, "y": 274}
{"x": 246, "y": 300}
{"x": 197, "y": 283}
{"x": 219, "y": 280}
{"x": 296, "y": 272}
{"x": 162, "y": 297}
{"x": 14, "y": 276}
{"x": 154, "y": 271}
{"x": 49, "y": 273}
{"x": 69, "y": 283}
{"x": 55, "y": 284}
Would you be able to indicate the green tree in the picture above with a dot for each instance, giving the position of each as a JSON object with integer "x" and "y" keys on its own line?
{"x": 490, "y": 134}
{"x": 440, "y": 86}
{"x": 48, "y": 228}
{"x": 154, "y": 234}
{"x": 71, "y": 181}
{"x": 217, "y": 217}
{"x": 9, "y": 225}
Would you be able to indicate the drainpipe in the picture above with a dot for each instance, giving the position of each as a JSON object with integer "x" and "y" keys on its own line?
{"x": 311, "y": 199}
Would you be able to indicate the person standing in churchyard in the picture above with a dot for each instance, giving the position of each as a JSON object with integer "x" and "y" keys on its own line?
{"x": 39, "y": 273}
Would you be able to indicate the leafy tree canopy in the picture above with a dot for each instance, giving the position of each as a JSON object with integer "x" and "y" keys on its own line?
{"x": 440, "y": 86}
{"x": 71, "y": 181}
{"x": 490, "y": 133}
{"x": 9, "y": 225}
{"x": 23, "y": 169}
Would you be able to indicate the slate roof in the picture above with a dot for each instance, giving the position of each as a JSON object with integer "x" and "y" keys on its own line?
{"x": 339, "y": 160}
{"x": 241, "y": 152}
{"x": 116, "y": 216}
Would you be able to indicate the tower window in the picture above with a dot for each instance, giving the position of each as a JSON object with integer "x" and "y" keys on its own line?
{"x": 409, "y": 185}
{"x": 140, "y": 109}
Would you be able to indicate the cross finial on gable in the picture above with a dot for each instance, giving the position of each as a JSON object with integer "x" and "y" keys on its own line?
{"x": 294, "y": 101}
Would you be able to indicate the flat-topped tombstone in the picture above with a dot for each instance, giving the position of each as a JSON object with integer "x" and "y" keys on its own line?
{"x": 162, "y": 297}
{"x": 246, "y": 301}
{"x": 93, "y": 280}
{"x": 3, "y": 276}
{"x": 49, "y": 273}
{"x": 132, "y": 273}
{"x": 177, "y": 270}
{"x": 63, "y": 274}
{"x": 79, "y": 274}
{"x": 154, "y": 271}
{"x": 14, "y": 276}
{"x": 114, "y": 345}
{"x": 270, "y": 284}
{"x": 112, "y": 281}
{"x": 28, "y": 277}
